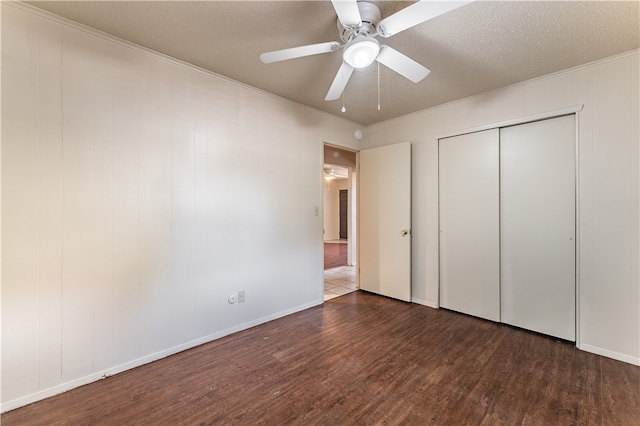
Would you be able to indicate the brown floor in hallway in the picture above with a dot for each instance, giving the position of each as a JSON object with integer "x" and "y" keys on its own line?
{"x": 335, "y": 254}
{"x": 361, "y": 359}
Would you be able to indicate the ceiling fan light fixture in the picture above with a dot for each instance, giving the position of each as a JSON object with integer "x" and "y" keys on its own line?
{"x": 329, "y": 174}
{"x": 361, "y": 52}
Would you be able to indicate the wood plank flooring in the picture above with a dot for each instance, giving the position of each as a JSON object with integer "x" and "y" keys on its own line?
{"x": 361, "y": 359}
{"x": 335, "y": 254}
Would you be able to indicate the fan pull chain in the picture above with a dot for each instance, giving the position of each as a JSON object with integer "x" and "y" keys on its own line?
{"x": 343, "y": 108}
{"x": 378, "y": 85}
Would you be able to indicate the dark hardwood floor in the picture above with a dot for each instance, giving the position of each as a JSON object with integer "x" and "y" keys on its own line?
{"x": 335, "y": 254}
{"x": 361, "y": 359}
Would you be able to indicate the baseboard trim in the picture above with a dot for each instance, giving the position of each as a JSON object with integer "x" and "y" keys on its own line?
{"x": 424, "y": 302}
{"x": 610, "y": 354}
{"x": 94, "y": 377}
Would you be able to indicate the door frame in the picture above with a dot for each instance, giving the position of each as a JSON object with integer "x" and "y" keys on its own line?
{"x": 572, "y": 110}
{"x": 352, "y": 231}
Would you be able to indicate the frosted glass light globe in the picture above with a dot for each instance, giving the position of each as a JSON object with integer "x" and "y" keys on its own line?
{"x": 361, "y": 52}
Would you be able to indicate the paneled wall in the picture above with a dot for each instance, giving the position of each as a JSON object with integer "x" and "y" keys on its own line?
{"x": 137, "y": 194}
{"x": 608, "y": 188}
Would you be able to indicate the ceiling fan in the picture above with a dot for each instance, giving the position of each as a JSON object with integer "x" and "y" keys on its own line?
{"x": 359, "y": 25}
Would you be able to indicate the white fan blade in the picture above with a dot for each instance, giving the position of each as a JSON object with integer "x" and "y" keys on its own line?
{"x": 342, "y": 77}
{"x": 348, "y": 13}
{"x": 415, "y": 14}
{"x": 402, "y": 64}
{"x": 299, "y": 52}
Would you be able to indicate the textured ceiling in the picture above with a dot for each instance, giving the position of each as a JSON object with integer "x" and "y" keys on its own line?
{"x": 473, "y": 49}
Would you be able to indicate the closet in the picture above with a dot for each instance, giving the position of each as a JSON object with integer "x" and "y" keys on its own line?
{"x": 507, "y": 225}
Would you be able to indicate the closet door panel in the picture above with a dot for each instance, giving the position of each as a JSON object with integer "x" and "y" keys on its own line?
{"x": 537, "y": 184}
{"x": 469, "y": 224}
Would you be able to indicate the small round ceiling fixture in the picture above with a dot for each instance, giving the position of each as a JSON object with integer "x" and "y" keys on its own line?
{"x": 361, "y": 52}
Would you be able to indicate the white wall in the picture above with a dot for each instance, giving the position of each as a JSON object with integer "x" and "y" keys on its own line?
{"x": 137, "y": 194}
{"x": 608, "y": 179}
{"x": 332, "y": 207}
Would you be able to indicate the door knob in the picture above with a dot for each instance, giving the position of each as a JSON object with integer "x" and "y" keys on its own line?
{"x": 404, "y": 232}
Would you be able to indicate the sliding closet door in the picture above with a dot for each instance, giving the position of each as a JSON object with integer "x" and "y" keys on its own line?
{"x": 537, "y": 184}
{"x": 469, "y": 224}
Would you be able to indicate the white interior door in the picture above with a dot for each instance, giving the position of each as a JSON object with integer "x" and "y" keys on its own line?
{"x": 469, "y": 224}
{"x": 385, "y": 221}
{"x": 538, "y": 226}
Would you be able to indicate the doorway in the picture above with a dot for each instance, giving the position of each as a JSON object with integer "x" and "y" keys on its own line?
{"x": 384, "y": 230}
{"x": 339, "y": 221}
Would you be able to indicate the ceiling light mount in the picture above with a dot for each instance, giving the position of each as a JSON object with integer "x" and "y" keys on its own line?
{"x": 369, "y": 15}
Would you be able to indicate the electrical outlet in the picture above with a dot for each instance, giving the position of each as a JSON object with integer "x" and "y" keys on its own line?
{"x": 241, "y": 297}
{"x": 232, "y": 299}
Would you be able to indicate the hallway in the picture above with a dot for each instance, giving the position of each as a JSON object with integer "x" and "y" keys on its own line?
{"x": 339, "y": 281}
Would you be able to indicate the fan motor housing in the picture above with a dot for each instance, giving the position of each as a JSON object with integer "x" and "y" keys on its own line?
{"x": 369, "y": 15}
